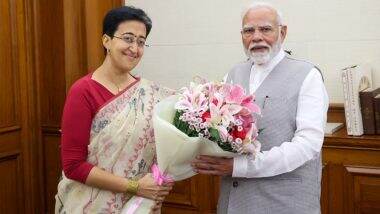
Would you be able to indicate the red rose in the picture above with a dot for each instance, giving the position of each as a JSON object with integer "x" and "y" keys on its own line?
{"x": 236, "y": 134}
{"x": 206, "y": 116}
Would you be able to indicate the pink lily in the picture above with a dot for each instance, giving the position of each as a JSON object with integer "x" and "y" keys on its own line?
{"x": 233, "y": 93}
{"x": 249, "y": 104}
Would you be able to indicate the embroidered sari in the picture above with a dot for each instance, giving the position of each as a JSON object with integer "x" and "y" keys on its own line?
{"x": 122, "y": 143}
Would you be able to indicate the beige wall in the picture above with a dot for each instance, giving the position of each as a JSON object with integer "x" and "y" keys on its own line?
{"x": 192, "y": 37}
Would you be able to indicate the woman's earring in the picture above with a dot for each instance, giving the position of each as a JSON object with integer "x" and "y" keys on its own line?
{"x": 108, "y": 51}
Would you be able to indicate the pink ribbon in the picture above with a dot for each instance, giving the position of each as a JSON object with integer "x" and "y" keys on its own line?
{"x": 160, "y": 178}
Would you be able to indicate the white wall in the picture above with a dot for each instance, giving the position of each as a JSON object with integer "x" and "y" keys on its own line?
{"x": 192, "y": 37}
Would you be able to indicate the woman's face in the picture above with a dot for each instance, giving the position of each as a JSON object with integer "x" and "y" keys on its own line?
{"x": 127, "y": 46}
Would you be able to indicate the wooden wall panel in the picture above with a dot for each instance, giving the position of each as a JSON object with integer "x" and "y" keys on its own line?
{"x": 10, "y": 193}
{"x": 198, "y": 194}
{"x": 23, "y": 60}
{"x": 10, "y": 141}
{"x": 7, "y": 69}
{"x": 363, "y": 189}
{"x": 353, "y": 171}
{"x": 52, "y": 168}
{"x": 183, "y": 197}
{"x": 215, "y": 189}
{"x": 336, "y": 113}
{"x": 336, "y": 188}
{"x": 11, "y": 181}
{"x": 19, "y": 149}
{"x": 75, "y": 63}
{"x": 96, "y": 10}
{"x": 50, "y": 58}
{"x": 50, "y": 61}
{"x": 181, "y": 194}
{"x": 83, "y": 21}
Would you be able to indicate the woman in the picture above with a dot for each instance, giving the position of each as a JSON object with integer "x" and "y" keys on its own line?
{"x": 107, "y": 143}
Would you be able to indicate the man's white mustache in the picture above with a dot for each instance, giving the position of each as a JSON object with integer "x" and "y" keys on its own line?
{"x": 251, "y": 47}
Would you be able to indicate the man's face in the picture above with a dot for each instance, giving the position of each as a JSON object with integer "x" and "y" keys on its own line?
{"x": 262, "y": 35}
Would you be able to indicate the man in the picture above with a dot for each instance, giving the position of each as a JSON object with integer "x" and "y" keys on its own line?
{"x": 285, "y": 177}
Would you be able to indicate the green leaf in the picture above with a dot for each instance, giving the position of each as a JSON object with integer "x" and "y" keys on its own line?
{"x": 214, "y": 133}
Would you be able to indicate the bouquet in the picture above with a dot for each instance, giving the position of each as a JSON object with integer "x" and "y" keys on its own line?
{"x": 208, "y": 118}
{"x": 221, "y": 113}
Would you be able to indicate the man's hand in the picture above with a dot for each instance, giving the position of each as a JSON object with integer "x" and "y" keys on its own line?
{"x": 213, "y": 165}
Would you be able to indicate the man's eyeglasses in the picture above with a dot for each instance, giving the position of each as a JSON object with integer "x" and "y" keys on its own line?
{"x": 130, "y": 39}
{"x": 264, "y": 30}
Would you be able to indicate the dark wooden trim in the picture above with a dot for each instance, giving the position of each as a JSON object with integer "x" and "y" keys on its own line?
{"x": 54, "y": 130}
{"x": 10, "y": 129}
{"x": 9, "y": 155}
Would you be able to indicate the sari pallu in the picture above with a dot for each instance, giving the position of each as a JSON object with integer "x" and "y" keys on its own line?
{"x": 122, "y": 143}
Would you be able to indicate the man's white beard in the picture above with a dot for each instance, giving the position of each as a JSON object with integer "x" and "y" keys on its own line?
{"x": 261, "y": 58}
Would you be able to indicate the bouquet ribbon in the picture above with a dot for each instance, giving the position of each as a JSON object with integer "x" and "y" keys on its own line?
{"x": 160, "y": 178}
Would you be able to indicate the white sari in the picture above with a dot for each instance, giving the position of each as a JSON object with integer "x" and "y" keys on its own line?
{"x": 122, "y": 143}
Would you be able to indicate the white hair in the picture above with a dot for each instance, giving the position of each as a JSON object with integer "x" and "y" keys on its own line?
{"x": 258, "y": 4}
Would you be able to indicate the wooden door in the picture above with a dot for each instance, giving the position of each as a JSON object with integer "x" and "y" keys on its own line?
{"x": 19, "y": 148}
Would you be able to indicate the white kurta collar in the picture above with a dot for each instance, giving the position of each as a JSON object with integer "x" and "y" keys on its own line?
{"x": 260, "y": 72}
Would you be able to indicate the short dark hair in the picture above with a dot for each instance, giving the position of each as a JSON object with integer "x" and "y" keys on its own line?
{"x": 116, "y": 16}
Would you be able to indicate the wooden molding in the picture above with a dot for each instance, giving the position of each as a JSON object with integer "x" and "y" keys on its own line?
{"x": 52, "y": 130}
{"x": 9, "y": 155}
{"x": 9, "y": 129}
{"x": 360, "y": 170}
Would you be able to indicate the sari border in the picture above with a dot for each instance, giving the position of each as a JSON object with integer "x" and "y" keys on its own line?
{"x": 138, "y": 79}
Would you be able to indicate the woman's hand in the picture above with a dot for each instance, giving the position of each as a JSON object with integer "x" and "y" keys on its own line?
{"x": 149, "y": 189}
